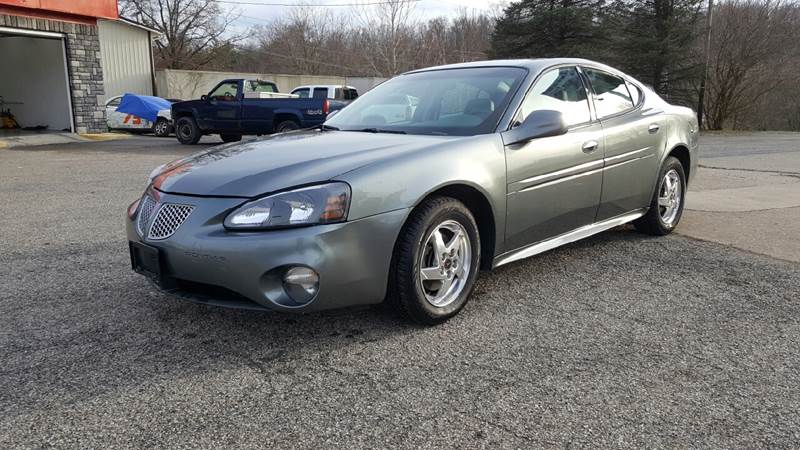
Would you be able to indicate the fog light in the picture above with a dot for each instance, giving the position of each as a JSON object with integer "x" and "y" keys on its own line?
{"x": 301, "y": 284}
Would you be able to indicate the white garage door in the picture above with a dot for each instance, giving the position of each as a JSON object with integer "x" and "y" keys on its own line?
{"x": 33, "y": 82}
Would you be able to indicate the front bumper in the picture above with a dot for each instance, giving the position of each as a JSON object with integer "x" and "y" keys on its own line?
{"x": 351, "y": 258}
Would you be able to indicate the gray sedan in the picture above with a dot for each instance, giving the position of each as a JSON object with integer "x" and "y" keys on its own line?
{"x": 492, "y": 162}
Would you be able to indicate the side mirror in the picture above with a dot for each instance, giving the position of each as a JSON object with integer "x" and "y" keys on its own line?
{"x": 538, "y": 124}
{"x": 203, "y": 97}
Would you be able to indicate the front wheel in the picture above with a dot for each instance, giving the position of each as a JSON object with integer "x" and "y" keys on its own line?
{"x": 435, "y": 261}
{"x": 666, "y": 207}
{"x": 161, "y": 128}
{"x": 187, "y": 131}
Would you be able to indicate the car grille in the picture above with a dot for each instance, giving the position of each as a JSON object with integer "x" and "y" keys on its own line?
{"x": 158, "y": 222}
{"x": 146, "y": 210}
{"x": 169, "y": 217}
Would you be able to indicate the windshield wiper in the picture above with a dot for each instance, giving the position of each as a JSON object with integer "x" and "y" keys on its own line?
{"x": 324, "y": 127}
{"x": 378, "y": 130}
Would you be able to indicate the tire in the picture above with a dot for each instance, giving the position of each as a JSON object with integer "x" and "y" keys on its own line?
{"x": 187, "y": 131}
{"x": 230, "y": 137}
{"x": 161, "y": 127}
{"x": 422, "y": 301}
{"x": 666, "y": 206}
{"x": 287, "y": 125}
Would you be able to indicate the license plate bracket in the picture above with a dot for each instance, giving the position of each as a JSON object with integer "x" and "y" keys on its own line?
{"x": 146, "y": 260}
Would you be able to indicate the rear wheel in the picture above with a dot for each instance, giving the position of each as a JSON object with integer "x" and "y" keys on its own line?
{"x": 435, "y": 262}
{"x": 161, "y": 128}
{"x": 230, "y": 137}
{"x": 187, "y": 131}
{"x": 287, "y": 125}
{"x": 666, "y": 207}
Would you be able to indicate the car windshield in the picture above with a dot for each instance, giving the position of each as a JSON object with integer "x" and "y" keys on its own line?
{"x": 457, "y": 102}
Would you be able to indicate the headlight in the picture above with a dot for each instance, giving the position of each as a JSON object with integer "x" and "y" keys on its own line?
{"x": 327, "y": 203}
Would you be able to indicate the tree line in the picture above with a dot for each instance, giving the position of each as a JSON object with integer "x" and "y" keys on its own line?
{"x": 751, "y": 71}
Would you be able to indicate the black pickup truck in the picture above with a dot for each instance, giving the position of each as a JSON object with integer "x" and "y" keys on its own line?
{"x": 238, "y": 107}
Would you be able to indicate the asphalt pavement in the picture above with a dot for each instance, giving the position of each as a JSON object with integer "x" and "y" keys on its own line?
{"x": 620, "y": 340}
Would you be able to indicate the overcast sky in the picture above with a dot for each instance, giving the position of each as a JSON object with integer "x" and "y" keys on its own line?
{"x": 424, "y": 9}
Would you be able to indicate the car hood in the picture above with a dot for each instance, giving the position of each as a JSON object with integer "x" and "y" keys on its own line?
{"x": 278, "y": 162}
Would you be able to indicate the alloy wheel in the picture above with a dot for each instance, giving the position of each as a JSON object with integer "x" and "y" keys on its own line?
{"x": 445, "y": 263}
{"x": 670, "y": 197}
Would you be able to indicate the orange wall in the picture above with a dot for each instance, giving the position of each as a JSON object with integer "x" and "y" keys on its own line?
{"x": 106, "y": 9}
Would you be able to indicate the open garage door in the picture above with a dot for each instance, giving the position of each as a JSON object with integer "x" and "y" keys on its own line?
{"x": 33, "y": 81}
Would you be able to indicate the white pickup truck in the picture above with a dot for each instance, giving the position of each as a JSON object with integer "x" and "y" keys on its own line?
{"x": 330, "y": 91}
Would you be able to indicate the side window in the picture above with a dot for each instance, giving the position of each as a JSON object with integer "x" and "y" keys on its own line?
{"x": 225, "y": 91}
{"x": 321, "y": 92}
{"x": 559, "y": 90}
{"x": 611, "y": 96}
{"x": 337, "y": 94}
{"x": 350, "y": 94}
{"x": 114, "y": 103}
{"x": 302, "y": 93}
{"x": 259, "y": 86}
{"x": 636, "y": 93}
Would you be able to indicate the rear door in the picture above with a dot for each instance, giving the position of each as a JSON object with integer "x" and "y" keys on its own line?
{"x": 554, "y": 183}
{"x": 223, "y": 107}
{"x": 633, "y": 138}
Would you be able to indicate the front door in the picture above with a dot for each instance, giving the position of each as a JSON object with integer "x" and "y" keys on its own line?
{"x": 554, "y": 183}
{"x": 223, "y": 107}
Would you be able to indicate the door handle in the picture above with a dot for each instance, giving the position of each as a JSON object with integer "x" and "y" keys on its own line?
{"x": 653, "y": 128}
{"x": 589, "y": 146}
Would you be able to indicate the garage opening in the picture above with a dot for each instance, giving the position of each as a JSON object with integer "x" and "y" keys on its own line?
{"x": 34, "y": 89}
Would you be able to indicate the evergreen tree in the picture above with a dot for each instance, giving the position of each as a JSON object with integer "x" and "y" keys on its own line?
{"x": 657, "y": 42}
{"x": 550, "y": 28}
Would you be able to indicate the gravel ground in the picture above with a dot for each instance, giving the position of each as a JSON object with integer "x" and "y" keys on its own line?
{"x": 620, "y": 340}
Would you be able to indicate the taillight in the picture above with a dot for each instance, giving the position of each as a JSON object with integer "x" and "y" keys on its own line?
{"x": 326, "y": 106}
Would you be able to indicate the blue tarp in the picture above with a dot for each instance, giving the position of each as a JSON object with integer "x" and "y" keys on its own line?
{"x": 144, "y": 106}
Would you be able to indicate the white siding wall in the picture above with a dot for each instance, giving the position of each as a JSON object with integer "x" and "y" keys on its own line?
{"x": 125, "y": 56}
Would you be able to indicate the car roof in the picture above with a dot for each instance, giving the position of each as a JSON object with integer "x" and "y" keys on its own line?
{"x": 533, "y": 65}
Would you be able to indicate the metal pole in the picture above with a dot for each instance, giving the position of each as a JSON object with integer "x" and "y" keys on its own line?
{"x": 707, "y": 57}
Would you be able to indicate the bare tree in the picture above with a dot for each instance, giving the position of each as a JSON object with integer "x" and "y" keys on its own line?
{"x": 753, "y": 44}
{"x": 193, "y": 31}
{"x": 387, "y": 31}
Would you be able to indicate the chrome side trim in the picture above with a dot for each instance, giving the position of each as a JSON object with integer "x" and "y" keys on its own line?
{"x": 568, "y": 171}
{"x": 566, "y": 238}
{"x": 625, "y": 155}
{"x": 559, "y": 180}
{"x": 622, "y": 163}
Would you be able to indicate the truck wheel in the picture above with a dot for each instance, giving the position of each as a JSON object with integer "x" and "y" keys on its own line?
{"x": 287, "y": 125}
{"x": 161, "y": 128}
{"x": 187, "y": 131}
{"x": 231, "y": 137}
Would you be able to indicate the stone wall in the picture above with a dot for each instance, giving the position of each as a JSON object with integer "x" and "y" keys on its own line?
{"x": 83, "y": 61}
